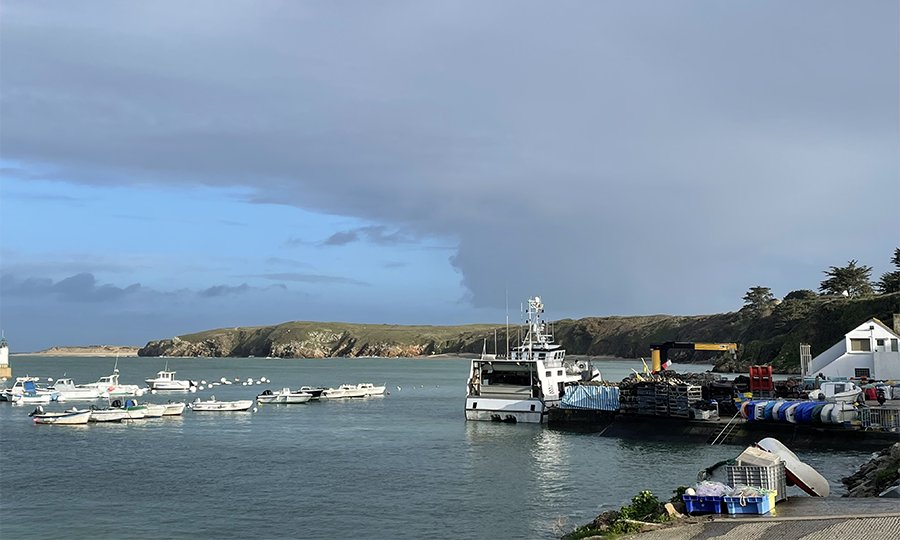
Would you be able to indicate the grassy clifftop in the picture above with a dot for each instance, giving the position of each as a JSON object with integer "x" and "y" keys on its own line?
{"x": 768, "y": 338}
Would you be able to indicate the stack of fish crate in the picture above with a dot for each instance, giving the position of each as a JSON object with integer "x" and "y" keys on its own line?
{"x": 646, "y": 396}
{"x": 662, "y": 399}
{"x": 682, "y": 397}
{"x": 628, "y": 399}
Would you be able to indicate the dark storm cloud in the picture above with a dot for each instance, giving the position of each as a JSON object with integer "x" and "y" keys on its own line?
{"x": 223, "y": 290}
{"x": 614, "y": 157}
{"x": 77, "y": 288}
{"x": 376, "y": 234}
{"x": 312, "y": 278}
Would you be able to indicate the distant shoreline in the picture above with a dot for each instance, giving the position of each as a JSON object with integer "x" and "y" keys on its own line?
{"x": 97, "y": 350}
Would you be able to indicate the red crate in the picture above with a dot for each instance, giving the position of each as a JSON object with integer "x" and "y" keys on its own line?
{"x": 761, "y": 378}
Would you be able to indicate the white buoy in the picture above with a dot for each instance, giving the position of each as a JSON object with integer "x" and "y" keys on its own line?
{"x": 222, "y": 379}
{"x": 250, "y": 380}
{"x": 193, "y": 389}
{"x": 49, "y": 379}
{"x": 255, "y": 409}
{"x": 202, "y": 388}
{"x": 398, "y": 388}
{"x": 202, "y": 382}
{"x": 153, "y": 391}
{"x": 258, "y": 382}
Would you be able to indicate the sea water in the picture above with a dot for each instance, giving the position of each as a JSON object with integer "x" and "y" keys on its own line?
{"x": 406, "y": 465}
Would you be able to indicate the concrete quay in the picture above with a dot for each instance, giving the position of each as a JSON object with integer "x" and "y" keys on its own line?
{"x": 799, "y": 518}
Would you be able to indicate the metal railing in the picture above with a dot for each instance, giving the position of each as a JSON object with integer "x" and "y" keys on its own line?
{"x": 879, "y": 419}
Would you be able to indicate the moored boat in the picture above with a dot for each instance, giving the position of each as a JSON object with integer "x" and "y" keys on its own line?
{"x": 154, "y": 410}
{"x": 522, "y": 387}
{"x": 165, "y": 380}
{"x": 212, "y": 405}
{"x": 135, "y": 410}
{"x": 285, "y": 395}
{"x": 314, "y": 391}
{"x": 332, "y": 393}
{"x": 62, "y": 418}
{"x": 174, "y": 409}
{"x": 107, "y": 415}
{"x": 68, "y": 391}
{"x": 109, "y": 386}
{"x": 352, "y": 391}
{"x": 372, "y": 390}
{"x": 27, "y": 387}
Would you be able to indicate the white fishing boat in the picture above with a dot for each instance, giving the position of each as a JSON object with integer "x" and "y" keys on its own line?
{"x": 154, "y": 410}
{"x": 522, "y": 387}
{"x": 63, "y": 418}
{"x": 332, "y": 393}
{"x": 285, "y": 395}
{"x": 165, "y": 380}
{"x": 106, "y": 415}
{"x": 212, "y": 405}
{"x": 68, "y": 391}
{"x": 27, "y": 386}
{"x": 314, "y": 391}
{"x": 174, "y": 409}
{"x": 135, "y": 410}
{"x": 837, "y": 392}
{"x": 352, "y": 391}
{"x": 372, "y": 390}
{"x": 109, "y": 386}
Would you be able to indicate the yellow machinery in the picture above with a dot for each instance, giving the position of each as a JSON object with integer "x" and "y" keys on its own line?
{"x": 660, "y": 351}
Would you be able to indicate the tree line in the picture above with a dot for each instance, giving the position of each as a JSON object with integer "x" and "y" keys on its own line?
{"x": 852, "y": 280}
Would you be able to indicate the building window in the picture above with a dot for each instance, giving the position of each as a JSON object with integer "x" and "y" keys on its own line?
{"x": 860, "y": 345}
{"x": 894, "y": 347}
{"x": 861, "y": 372}
{"x": 548, "y": 373}
{"x": 559, "y": 373}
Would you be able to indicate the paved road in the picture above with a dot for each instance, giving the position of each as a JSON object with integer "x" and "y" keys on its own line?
{"x": 799, "y": 518}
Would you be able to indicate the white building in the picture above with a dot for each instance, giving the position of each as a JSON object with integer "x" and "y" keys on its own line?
{"x": 870, "y": 350}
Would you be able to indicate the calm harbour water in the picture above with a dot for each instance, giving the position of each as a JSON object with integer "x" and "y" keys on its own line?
{"x": 406, "y": 465}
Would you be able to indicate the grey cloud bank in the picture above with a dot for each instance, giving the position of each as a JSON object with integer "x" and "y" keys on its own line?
{"x": 618, "y": 158}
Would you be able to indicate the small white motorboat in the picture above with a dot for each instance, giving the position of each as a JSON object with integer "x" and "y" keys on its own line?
{"x": 315, "y": 392}
{"x": 107, "y": 415}
{"x": 801, "y": 474}
{"x": 352, "y": 391}
{"x": 27, "y": 387}
{"x": 109, "y": 386}
{"x": 68, "y": 391}
{"x": 165, "y": 380}
{"x": 372, "y": 390}
{"x": 332, "y": 393}
{"x": 212, "y": 405}
{"x": 154, "y": 411}
{"x": 63, "y": 418}
{"x": 837, "y": 392}
{"x": 285, "y": 395}
{"x": 174, "y": 409}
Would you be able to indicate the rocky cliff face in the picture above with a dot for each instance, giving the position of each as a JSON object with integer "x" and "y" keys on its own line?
{"x": 770, "y": 338}
{"x": 877, "y": 475}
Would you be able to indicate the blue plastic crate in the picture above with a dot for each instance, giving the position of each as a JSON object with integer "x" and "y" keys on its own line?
{"x": 752, "y": 505}
{"x": 696, "y": 503}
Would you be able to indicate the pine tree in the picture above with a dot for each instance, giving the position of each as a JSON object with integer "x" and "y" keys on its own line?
{"x": 890, "y": 281}
{"x": 851, "y": 279}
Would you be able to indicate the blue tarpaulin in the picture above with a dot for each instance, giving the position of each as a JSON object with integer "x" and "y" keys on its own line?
{"x": 594, "y": 398}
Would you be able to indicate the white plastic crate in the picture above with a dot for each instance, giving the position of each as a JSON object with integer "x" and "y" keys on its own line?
{"x": 771, "y": 477}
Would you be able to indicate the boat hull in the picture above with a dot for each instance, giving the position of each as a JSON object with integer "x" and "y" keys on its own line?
{"x": 174, "y": 409}
{"x": 108, "y": 415}
{"x": 525, "y": 411}
{"x": 66, "y": 419}
{"x": 221, "y": 406}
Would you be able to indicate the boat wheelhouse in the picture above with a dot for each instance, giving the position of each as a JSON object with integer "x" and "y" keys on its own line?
{"x": 522, "y": 387}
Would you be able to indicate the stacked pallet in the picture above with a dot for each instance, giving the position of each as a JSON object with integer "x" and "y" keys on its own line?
{"x": 682, "y": 398}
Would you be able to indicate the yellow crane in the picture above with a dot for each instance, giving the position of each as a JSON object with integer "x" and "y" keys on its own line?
{"x": 660, "y": 351}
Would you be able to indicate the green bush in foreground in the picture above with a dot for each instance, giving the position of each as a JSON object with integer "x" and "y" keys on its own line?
{"x": 644, "y": 507}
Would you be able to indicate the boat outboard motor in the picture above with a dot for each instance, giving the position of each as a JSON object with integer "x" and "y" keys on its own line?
{"x": 37, "y": 410}
{"x": 116, "y": 403}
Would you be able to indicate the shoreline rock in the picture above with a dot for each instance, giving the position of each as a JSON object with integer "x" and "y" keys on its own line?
{"x": 873, "y": 477}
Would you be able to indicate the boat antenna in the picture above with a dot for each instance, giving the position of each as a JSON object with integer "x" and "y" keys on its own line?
{"x": 507, "y": 320}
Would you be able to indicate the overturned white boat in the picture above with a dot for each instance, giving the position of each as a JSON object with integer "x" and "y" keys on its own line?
{"x": 524, "y": 386}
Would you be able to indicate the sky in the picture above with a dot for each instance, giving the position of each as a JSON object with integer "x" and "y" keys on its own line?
{"x": 171, "y": 167}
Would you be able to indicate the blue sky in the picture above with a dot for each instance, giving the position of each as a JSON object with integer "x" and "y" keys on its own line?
{"x": 169, "y": 168}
